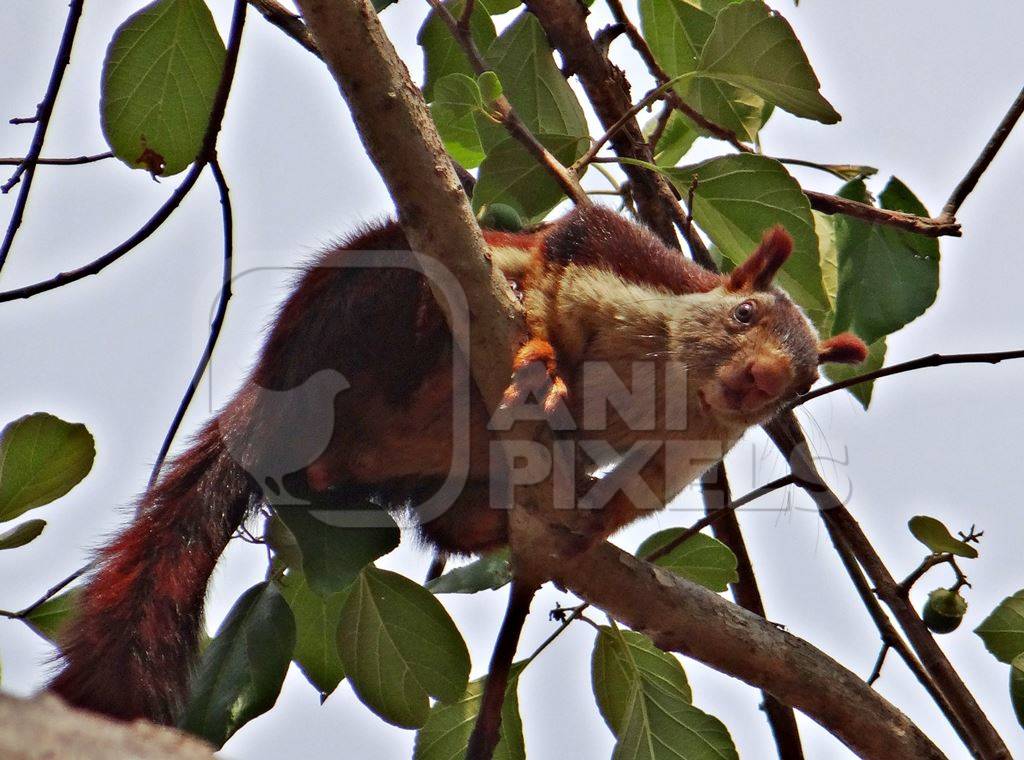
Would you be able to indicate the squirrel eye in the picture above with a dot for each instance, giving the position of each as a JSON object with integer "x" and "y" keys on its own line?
{"x": 744, "y": 313}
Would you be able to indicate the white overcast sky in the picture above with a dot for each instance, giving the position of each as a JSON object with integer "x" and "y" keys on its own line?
{"x": 920, "y": 85}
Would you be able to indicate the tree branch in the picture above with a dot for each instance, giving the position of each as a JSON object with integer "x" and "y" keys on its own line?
{"x": 215, "y": 325}
{"x": 42, "y": 119}
{"x": 566, "y": 178}
{"x": 717, "y": 501}
{"x": 661, "y": 77}
{"x": 970, "y": 180}
{"x": 154, "y": 223}
{"x": 785, "y": 432}
{"x": 929, "y": 227}
{"x": 98, "y": 265}
{"x": 77, "y": 160}
{"x": 607, "y": 88}
{"x": 287, "y": 22}
{"x": 933, "y": 360}
{"x": 683, "y": 617}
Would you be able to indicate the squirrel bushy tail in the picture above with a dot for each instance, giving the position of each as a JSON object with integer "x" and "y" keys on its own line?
{"x": 130, "y": 650}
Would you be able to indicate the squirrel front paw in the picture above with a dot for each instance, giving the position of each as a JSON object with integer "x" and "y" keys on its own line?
{"x": 535, "y": 374}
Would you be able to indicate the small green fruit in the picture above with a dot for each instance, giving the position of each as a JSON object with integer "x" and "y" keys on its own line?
{"x": 500, "y": 216}
{"x": 944, "y": 611}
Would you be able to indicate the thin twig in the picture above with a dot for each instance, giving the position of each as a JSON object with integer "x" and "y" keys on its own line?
{"x": 172, "y": 203}
{"x": 887, "y": 632}
{"x": 661, "y": 76}
{"x": 77, "y": 160}
{"x": 659, "y": 128}
{"x": 933, "y": 560}
{"x": 608, "y": 90}
{"x": 53, "y": 591}
{"x": 876, "y": 671}
{"x": 43, "y": 113}
{"x": 970, "y": 180}
{"x": 101, "y": 263}
{"x": 933, "y": 360}
{"x": 287, "y": 22}
{"x": 507, "y": 115}
{"x": 656, "y": 94}
{"x": 708, "y": 519}
{"x": 215, "y": 325}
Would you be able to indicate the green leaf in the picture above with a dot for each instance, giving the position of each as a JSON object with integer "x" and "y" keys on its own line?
{"x": 490, "y": 86}
{"x": 677, "y": 31}
{"x": 738, "y": 198}
{"x": 332, "y": 556}
{"x": 700, "y": 558}
{"x": 491, "y": 571}
{"x": 755, "y": 48}
{"x": 241, "y": 671}
{"x": 675, "y": 141}
{"x": 1017, "y": 687}
{"x": 442, "y": 54}
{"x": 862, "y": 392}
{"x": 512, "y": 176}
{"x": 887, "y": 277}
{"x": 828, "y": 255}
{"x": 22, "y": 534}
{"x": 1003, "y": 630}
{"x": 533, "y": 84}
{"x": 445, "y": 735}
{"x": 457, "y": 105}
{"x": 316, "y": 631}
{"x": 41, "y": 459}
{"x": 643, "y": 695}
{"x": 936, "y": 536}
{"x": 160, "y": 79}
{"x": 398, "y": 646}
{"x": 282, "y": 542}
{"x": 496, "y": 7}
{"x": 50, "y": 617}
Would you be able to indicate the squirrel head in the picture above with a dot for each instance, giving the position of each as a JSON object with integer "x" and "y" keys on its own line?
{"x": 764, "y": 352}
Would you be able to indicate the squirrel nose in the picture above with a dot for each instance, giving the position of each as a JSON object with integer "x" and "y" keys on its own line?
{"x": 770, "y": 377}
{"x": 767, "y": 375}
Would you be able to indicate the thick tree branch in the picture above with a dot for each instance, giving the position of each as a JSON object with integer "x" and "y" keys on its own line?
{"x": 717, "y": 500}
{"x": 42, "y": 120}
{"x": 401, "y": 140}
{"x": 785, "y": 432}
{"x": 683, "y": 617}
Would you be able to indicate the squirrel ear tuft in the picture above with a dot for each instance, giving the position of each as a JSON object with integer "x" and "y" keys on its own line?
{"x": 845, "y": 348}
{"x": 757, "y": 272}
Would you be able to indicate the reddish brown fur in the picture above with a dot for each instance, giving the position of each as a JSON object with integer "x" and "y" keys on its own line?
{"x": 843, "y": 348}
{"x": 759, "y": 269}
{"x": 131, "y": 650}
